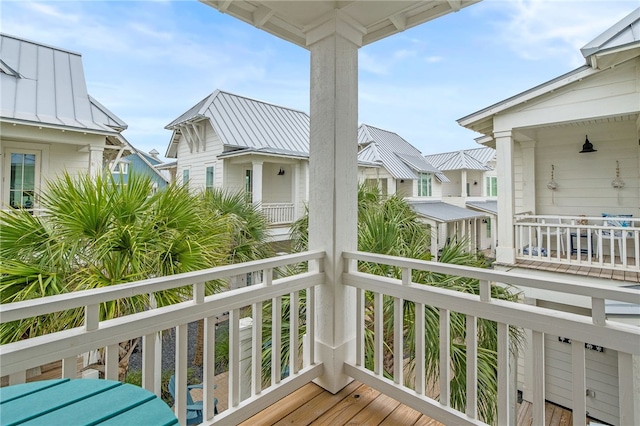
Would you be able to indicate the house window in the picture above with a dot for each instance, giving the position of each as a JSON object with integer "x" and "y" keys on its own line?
{"x": 424, "y": 185}
{"x": 23, "y": 175}
{"x": 209, "y": 179}
{"x": 185, "y": 177}
{"x": 492, "y": 186}
{"x": 121, "y": 167}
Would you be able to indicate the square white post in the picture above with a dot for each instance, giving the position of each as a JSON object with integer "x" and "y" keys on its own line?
{"x": 505, "y": 252}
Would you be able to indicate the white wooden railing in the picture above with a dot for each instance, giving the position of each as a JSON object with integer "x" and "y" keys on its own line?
{"x": 622, "y": 338}
{"x": 67, "y": 345}
{"x": 586, "y": 241}
{"x": 279, "y": 213}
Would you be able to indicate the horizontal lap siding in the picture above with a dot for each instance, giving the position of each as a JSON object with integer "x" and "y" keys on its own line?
{"x": 198, "y": 161}
{"x": 601, "y": 373}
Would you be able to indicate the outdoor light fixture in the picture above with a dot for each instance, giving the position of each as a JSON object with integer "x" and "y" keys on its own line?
{"x": 587, "y": 146}
{"x": 281, "y": 172}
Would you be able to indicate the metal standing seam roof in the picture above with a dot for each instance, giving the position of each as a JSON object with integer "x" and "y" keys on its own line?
{"x": 469, "y": 159}
{"x": 444, "y": 212}
{"x": 624, "y": 32}
{"x": 489, "y": 206}
{"x": 399, "y": 157}
{"x": 46, "y": 85}
{"x": 247, "y": 123}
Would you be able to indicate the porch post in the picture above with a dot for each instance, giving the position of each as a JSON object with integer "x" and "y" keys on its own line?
{"x": 256, "y": 191}
{"x": 333, "y": 175}
{"x": 95, "y": 160}
{"x": 392, "y": 186}
{"x": 463, "y": 183}
{"x": 295, "y": 197}
{"x": 528, "y": 176}
{"x": 505, "y": 252}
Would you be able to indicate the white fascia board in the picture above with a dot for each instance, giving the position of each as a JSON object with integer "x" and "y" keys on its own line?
{"x": 104, "y": 132}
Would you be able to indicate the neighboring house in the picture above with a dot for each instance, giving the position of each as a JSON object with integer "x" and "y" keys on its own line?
{"x": 49, "y": 124}
{"x": 392, "y": 164}
{"x": 568, "y": 160}
{"x": 242, "y": 144}
{"x": 471, "y": 184}
{"x": 142, "y": 164}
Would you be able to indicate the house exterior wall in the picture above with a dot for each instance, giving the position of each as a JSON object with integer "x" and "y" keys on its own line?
{"x": 56, "y": 152}
{"x": 198, "y": 161}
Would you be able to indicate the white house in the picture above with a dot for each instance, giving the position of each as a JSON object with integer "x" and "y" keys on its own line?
{"x": 48, "y": 121}
{"x": 471, "y": 184}
{"x": 242, "y": 144}
{"x": 568, "y": 163}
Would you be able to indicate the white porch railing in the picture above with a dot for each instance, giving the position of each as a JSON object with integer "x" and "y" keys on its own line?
{"x": 580, "y": 329}
{"x": 603, "y": 242}
{"x": 279, "y": 213}
{"x": 67, "y": 345}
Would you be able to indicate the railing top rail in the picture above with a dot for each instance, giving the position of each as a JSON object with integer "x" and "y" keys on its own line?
{"x": 46, "y": 305}
{"x": 519, "y": 280}
{"x": 568, "y": 217}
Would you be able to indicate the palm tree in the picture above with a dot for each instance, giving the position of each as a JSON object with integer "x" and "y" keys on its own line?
{"x": 97, "y": 233}
{"x": 388, "y": 225}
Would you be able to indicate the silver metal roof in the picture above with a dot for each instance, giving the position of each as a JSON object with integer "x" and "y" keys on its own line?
{"x": 45, "y": 85}
{"x": 247, "y": 123}
{"x": 443, "y": 212}
{"x": 626, "y": 31}
{"x": 399, "y": 157}
{"x": 467, "y": 159}
{"x": 489, "y": 206}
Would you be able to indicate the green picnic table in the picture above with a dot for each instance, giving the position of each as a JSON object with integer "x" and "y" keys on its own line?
{"x": 82, "y": 402}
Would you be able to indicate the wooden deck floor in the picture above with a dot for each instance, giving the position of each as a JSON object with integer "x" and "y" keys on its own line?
{"x": 584, "y": 269}
{"x": 358, "y": 404}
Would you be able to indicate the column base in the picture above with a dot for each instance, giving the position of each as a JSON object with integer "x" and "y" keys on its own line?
{"x": 334, "y": 379}
{"x": 505, "y": 255}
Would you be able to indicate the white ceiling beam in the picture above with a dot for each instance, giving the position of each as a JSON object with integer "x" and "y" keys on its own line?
{"x": 456, "y": 5}
{"x": 399, "y": 21}
{"x": 262, "y": 15}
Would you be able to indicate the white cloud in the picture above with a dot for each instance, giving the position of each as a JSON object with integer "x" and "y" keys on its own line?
{"x": 536, "y": 29}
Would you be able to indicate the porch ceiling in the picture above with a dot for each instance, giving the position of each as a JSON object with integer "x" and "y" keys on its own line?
{"x": 293, "y": 20}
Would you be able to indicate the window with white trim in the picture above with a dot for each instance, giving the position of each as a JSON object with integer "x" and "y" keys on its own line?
{"x": 22, "y": 178}
{"x": 491, "y": 186}
{"x": 208, "y": 186}
{"x": 424, "y": 185}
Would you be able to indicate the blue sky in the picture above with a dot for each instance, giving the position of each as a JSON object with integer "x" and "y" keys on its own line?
{"x": 149, "y": 61}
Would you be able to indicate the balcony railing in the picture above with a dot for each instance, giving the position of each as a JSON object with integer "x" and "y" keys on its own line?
{"x": 67, "y": 345}
{"x": 279, "y": 213}
{"x": 579, "y": 329}
{"x": 603, "y": 242}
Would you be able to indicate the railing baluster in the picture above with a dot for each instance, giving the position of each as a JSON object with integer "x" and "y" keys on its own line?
{"x": 18, "y": 378}
{"x": 148, "y": 361}
{"x": 198, "y": 293}
{"x": 311, "y": 324}
{"x": 398, "y": 346}
{"x": 91, "y": 317}
{"x": 578, "y": 370}
{"x": 209, "y": 370}
{"x": 598, "y": 313}
{"x": 485, "y": 290}
{"x": 112, "y": 354}
{"x": 537, "y": 347}
{"x": 256, "y": 349}
{"x": 360, "y": 327}
{"x": 294, "y": 315}
{"x": 472, "y": 366}
{"x": 445, "y": 356}
{"x": 627, "y": 396}
{"x": 180, "y": 403}
{"x": 420, "y": 348}
{"x": 378, "y": 337}
{"x": 234, "y": 357}
{"x": 70, "y": 368}
{"x": 276, "y": 338}
{"x": 503, "y": 373}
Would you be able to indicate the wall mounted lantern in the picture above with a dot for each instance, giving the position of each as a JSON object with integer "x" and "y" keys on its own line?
{"x": 281, "y": 172}
{"x": 587, "y": 146}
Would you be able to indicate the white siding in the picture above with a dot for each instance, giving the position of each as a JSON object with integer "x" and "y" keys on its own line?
{"x": 277, "y": 188}
{"x": 198, "y": 161}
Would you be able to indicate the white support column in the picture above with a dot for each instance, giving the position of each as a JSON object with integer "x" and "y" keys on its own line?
{"x": 256, "y": 192}
{"x": 463, "y": 183}
{"x": 295, "y": 197}
{"x": 333, "y": 172}
{"x": 392, "y": 186}
{"x": 95, "y": 160}
{"x": 435, "y": 236}
{"x": 528, "y": 176}
{"x": 505, "y": 252}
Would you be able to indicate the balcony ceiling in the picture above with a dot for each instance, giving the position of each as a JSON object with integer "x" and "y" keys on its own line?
{"x": 292, "y": 20}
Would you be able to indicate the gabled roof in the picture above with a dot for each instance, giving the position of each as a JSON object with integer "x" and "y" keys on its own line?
{"x": 619, "y": 43}
{"x": 444, "y": 212}
{"x": 488, "y": 206}
{"x": 245, "y": 123}
{"x": 624, "y": 34}
{"x": 401, "y": 159}
{"x": 45, "y": 85}
{"x": 466, "y": 159}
